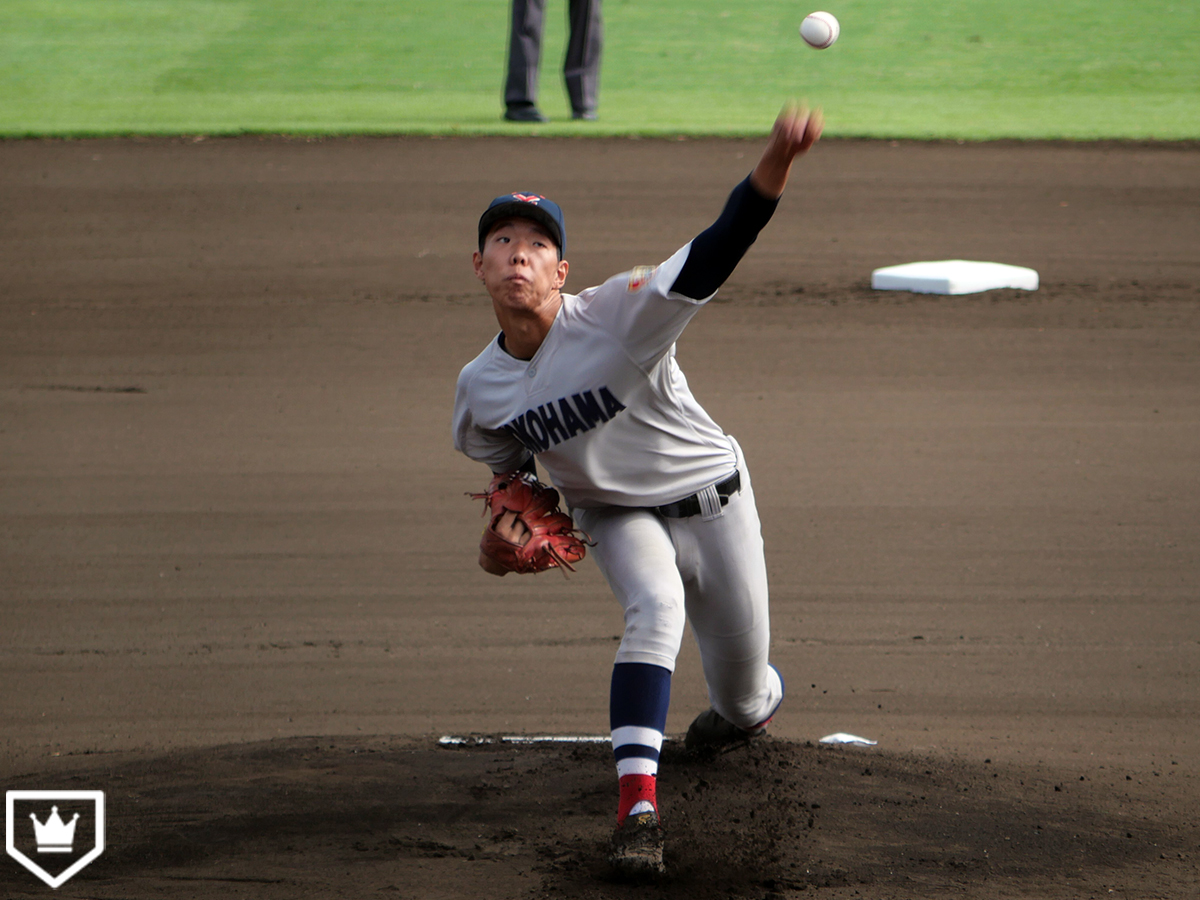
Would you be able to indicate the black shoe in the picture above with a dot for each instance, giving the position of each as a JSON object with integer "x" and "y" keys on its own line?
{"x": 637, "y": 847}
{"x": 712, "y": 731}
{"x": 528, "y": 113}
{"x": 586, "y": 116}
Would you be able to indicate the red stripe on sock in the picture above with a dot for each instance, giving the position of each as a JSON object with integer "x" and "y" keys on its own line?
{"x": 634, "y": 789}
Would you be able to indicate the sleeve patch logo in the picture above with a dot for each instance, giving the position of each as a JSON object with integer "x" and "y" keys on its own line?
{"x": 640, "y": 277}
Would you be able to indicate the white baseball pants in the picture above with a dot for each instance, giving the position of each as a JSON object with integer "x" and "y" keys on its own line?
{"x": 712, "y": 573}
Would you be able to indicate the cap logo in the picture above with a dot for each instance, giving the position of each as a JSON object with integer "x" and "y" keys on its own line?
{"x": 529, "y": 198}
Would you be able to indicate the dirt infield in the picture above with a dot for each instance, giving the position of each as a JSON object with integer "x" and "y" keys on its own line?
{"x": 237, "y": 589}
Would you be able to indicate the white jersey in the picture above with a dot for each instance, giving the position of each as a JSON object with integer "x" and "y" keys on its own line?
{"x": 603, "y": 403}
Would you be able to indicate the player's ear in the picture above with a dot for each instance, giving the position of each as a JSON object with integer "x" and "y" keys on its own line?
{"x": 563, "y": 266}
{"x": 477, "y": 260}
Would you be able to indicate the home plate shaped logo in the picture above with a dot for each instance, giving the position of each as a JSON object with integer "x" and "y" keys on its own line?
{"x": 54, "y": 834}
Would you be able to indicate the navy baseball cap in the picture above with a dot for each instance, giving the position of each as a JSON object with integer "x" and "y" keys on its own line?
{"x": 525, "y": 206}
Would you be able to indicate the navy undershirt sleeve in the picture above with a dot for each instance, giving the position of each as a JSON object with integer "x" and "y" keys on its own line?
{"x": 717, "y": 250}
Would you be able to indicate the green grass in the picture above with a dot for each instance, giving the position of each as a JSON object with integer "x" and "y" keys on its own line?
{"x": 972, "y": 69}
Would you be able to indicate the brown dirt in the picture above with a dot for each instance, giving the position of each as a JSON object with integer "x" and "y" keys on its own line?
{"x": 237, "y": 589}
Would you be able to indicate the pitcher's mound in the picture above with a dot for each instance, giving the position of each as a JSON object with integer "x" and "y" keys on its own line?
{"x": 356, "y": 817}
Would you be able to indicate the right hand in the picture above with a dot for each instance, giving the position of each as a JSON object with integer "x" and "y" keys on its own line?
{"x": 510, "y": 527}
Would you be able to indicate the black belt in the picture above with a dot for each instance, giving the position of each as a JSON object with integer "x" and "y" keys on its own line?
{"x": 690, "y": 506}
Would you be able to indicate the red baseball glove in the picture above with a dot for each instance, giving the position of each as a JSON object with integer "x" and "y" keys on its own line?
{"x": 526, "y": 531}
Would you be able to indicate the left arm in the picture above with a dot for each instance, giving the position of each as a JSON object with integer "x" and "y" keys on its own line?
{"x": 795, "y": 131}
{"x": 717, "y": 250}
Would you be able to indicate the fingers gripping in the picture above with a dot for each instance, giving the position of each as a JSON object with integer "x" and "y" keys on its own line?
{"x": 526, "y": 531}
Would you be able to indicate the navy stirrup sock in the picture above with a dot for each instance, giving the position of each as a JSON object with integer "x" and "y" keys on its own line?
{"x": 641, "y": 694}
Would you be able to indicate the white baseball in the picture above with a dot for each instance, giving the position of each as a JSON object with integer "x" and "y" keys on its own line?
{"x": 820, "y": 30}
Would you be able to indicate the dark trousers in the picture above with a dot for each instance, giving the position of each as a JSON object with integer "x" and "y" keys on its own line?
{"x": 581, "y": 69}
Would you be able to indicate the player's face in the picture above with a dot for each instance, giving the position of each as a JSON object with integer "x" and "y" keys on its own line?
{"x": 519, "y": 264}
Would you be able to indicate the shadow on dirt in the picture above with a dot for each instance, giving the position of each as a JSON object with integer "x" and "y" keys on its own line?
{"x": 770, "y": 819}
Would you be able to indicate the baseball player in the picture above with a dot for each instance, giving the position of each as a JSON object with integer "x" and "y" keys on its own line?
{"x": 589, "y": 385}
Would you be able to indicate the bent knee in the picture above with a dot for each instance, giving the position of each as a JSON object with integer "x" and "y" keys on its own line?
{"x": 654, "y": 626}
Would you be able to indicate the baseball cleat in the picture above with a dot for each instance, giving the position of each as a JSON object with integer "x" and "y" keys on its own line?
{"x": 712, "y": 731}
{"x": 637, "y": 846}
